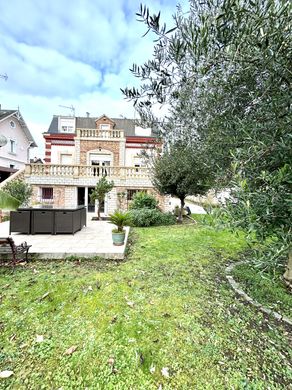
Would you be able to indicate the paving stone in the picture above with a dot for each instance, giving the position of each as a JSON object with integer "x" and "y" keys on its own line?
{"x": 93, "y": 240}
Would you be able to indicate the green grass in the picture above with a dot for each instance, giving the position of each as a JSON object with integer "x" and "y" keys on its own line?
{"x": 265, "y": 288}
{"x": 168, "y": 305}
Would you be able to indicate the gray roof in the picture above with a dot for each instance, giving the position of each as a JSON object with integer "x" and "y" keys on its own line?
{"x": 16, "y": 114}
{"x": 5, "y": 113}
{"x": 128, "y": 125}
{"x": 53, "y": 128}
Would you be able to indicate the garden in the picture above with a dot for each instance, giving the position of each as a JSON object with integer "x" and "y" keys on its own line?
{"x": 165, "y": 318}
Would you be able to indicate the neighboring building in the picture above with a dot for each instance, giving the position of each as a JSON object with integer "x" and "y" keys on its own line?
{"x": 78, "y": 151}
{"x": 15, "y": 154}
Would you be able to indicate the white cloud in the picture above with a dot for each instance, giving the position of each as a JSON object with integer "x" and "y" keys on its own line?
{"x": 78, "y": 52}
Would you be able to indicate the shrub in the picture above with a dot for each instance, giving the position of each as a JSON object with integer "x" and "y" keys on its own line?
{"x": 20, "y": 190}
{"x": 120, "y": 219}
{"x": 151, "y": 217}
{"x": 142, "y": 200}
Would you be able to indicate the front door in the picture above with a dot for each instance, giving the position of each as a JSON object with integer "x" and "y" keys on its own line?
{"x": 91, "y": 204}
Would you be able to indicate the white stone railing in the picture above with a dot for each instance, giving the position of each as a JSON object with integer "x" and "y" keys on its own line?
{"x": 100, "y": 133}
{"x": 82, "y": 171}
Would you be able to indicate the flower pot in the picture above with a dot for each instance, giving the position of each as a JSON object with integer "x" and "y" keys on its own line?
{"x": 119, "y": 237}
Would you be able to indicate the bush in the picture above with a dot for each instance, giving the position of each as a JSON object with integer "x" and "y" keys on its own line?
{"x": 142, "y": 200}
{"x": 19, "y": 190}
{"x": 151, "y": 217}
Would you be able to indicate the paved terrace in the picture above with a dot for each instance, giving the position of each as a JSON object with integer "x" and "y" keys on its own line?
{"x": 93, "y": 240}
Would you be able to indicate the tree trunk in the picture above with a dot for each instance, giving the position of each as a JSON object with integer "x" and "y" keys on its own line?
{"x": 98, "y": 210}
{"x": 288, "y": 272}
{"x": 180, "y": 216}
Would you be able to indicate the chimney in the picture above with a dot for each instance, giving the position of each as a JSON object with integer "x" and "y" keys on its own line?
{"x": 87, "y": 114}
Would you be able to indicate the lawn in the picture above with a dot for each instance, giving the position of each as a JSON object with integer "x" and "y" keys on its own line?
{"x": 165, "y": 318}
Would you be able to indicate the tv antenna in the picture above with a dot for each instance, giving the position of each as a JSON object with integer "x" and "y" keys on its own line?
{"x": 4, "y": 76}
{"x": 71, "y": 108}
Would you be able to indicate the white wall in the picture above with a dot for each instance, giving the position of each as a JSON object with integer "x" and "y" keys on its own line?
{"x": 131, "y": 157}
{"x": 57, "y": 150}
{"x": 20, "y": 157}
{"x": 143, "y": 132}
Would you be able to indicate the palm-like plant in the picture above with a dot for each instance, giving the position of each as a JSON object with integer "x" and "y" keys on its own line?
{"x": 120, "y": 219}
{"x": 8, "y": 202}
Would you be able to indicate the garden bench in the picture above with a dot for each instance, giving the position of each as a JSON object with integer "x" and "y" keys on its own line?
{"x": 8, "y": 247}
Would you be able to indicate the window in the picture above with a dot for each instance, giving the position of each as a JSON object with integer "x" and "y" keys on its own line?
{"x": 12, "y": 166}
{"x": 12, "y": 146}
{"x": 12, "y": 124}
{"x": 131, "y": 193}
{"x": 47, "y": 193}
{"x": 67, "y": 129}
{"x": 104, "y": 127}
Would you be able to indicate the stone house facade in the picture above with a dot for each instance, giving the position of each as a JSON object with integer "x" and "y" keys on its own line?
{"x": 80, "y": 150}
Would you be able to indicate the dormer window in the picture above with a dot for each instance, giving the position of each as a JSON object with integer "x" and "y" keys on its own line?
{"x": 66, "y": 125}
{"x": 104, "y": 123}
{"x": 104, "y": 126}
{"x": 67, "y": 129}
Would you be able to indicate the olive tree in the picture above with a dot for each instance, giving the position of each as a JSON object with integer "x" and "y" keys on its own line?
{"x": 101, "y": 189}
{"x": 181, "y": 171}
{"x": 224, "y": 70}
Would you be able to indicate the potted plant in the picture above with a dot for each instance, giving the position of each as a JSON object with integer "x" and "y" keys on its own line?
{"x": 119, "y": 219}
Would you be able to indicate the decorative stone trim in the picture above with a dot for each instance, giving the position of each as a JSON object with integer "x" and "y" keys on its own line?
{"x": 247, "y": 298}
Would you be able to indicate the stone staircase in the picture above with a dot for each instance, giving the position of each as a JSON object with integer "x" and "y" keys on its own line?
{"x": 19, "y": 175}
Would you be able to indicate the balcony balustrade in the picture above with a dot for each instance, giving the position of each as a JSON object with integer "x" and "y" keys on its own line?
{"x": 100, "y": 134}
{"x": 86, "y": 171}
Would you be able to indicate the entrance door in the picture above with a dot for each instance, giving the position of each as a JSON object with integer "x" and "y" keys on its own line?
{"x": 81, "y": 196}
{"x": 91, "y": 205}
{"x": 100, "y": 168}
{"x": 100, "y": 162}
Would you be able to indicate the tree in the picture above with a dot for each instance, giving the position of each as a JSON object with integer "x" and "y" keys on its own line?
{"x": 20, "y": 190}
{"x": 101, "y": 189}
{"x": 181, "y": 171}
{"x": 224, "y": 71}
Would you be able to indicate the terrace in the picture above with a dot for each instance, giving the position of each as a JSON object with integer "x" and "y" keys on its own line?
{"x": 35, "y": 173}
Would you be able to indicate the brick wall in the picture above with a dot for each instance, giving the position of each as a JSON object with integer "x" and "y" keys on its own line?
{"x": 66, "y": 196}
{"x": 88, "y": 145}
{"x": 63, "y": 196}
{"x": 104, "y": 120}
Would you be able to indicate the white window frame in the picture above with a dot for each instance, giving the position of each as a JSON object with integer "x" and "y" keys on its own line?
{"x": 67, "y": 129}
{"x": 104, "y": 126}
{"x": 12, "y": 146}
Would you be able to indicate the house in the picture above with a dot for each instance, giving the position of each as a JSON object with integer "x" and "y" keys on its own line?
{"x": 17, "y": 142}
{"x": 80, "y": 150}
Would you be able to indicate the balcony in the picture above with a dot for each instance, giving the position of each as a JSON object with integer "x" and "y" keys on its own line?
{"x": 100, "y": 134}
{"x": 57, "y": 171}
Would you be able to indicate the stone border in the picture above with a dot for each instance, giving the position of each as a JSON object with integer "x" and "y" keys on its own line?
{"x": 248, "y": 299}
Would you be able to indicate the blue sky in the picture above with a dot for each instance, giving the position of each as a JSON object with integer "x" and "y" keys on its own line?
{"x": 78, "y": 52}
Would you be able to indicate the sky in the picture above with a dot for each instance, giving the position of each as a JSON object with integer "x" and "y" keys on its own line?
{"x": 72, "y": 53}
